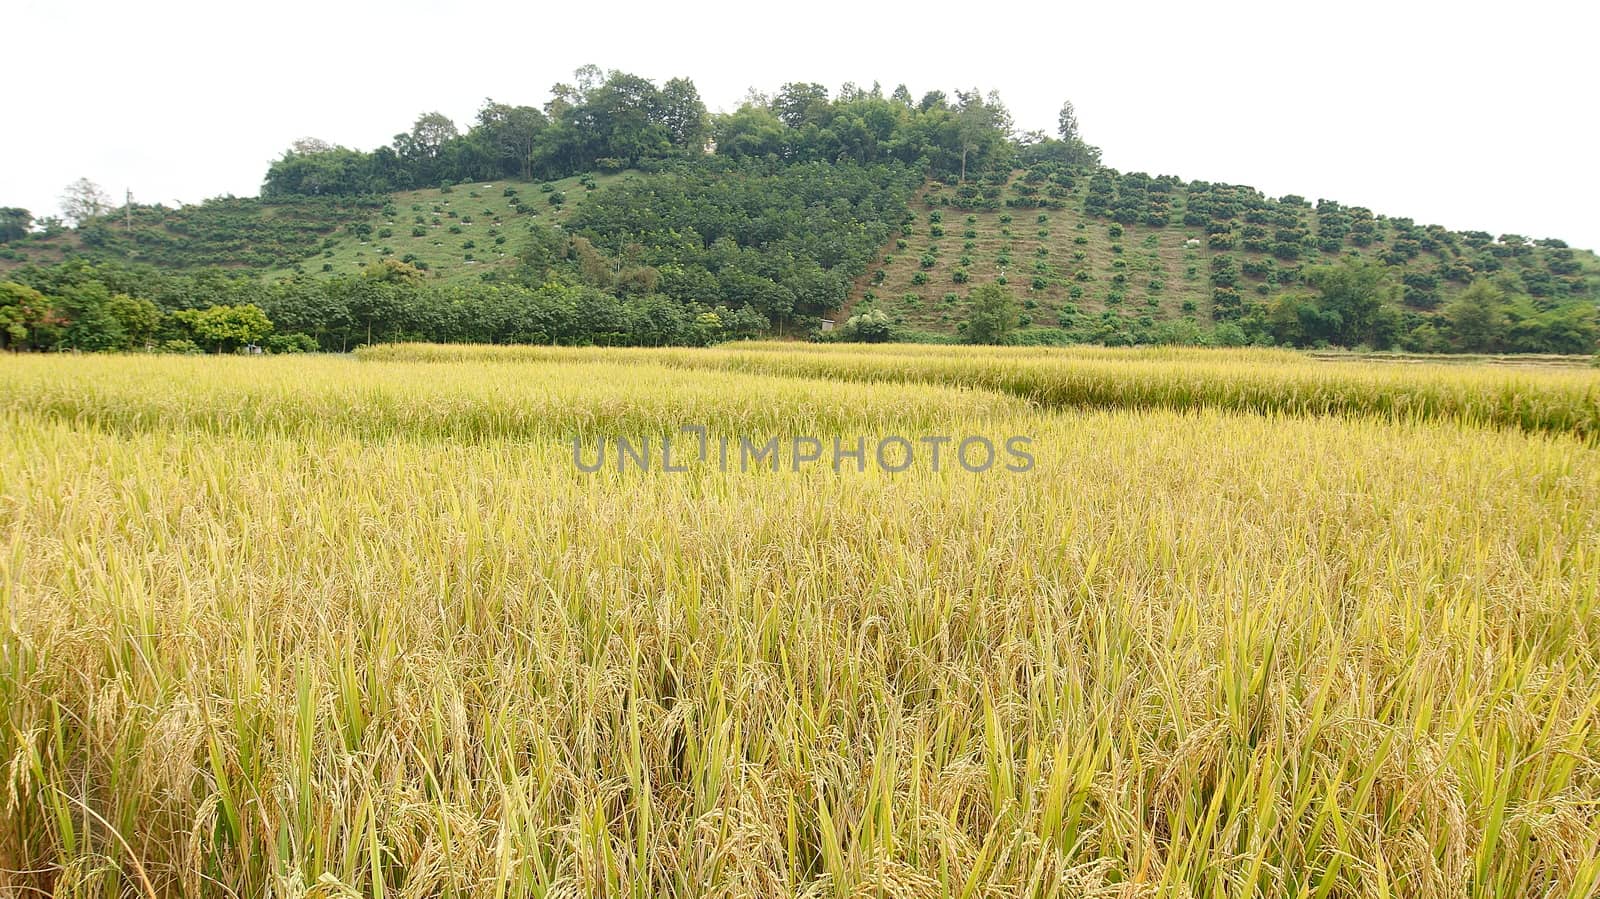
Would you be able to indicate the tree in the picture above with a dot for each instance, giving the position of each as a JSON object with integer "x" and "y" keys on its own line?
{"x": 89, "y": 324}
{"x": 994, "y": 314}
{"x": 684, "y": 114}
{"x": 510, "y": 134}
{"x": 83, "y": 200}
{"x": 984, "y": 125}
{"x": 227, "y": 326}
{"x": 872, "y": 326}
{"x": 1353, "y": 295}
{"x": 430, "y": 132}
{"x": 1067, "y": 122}
{"x": 800, "y": 103}
{"x": 1477, "y": 318}
{"x": 140, "y": 319}
{"x": 310, "y": 146}
{"x": 22, "y": 310}
{"x": 14, "y": 223}
{"x": 750, "y": 131}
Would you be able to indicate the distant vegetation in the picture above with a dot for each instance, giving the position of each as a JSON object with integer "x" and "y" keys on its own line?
{"x": 622, "y": 213}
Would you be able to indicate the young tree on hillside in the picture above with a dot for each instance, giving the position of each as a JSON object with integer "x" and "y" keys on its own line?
{"x": 83, "y": 200}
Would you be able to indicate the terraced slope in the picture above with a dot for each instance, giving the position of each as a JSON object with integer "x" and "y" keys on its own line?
{"x": 1151, "y": 250}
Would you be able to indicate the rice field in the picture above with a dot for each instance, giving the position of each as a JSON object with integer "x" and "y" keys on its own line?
{"x": 1252, "y": 624}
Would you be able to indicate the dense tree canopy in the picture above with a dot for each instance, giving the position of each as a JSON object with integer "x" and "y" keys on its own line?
{"x": 616, "y": 120}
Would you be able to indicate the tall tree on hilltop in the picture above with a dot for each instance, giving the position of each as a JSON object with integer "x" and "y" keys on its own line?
{"x": 83, "y": 200}
{"x": 510, "y": 134}
{"x": 684, "y": 114}
{"x": 1067, "y": 122}
{"x": 984, "y": 122}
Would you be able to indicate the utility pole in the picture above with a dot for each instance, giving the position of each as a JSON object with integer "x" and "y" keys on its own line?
{"x": 127, "y": 209}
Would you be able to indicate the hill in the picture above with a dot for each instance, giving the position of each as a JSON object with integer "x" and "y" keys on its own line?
{"x": 624, "y": 213}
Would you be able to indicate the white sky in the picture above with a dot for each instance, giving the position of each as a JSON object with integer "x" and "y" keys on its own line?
{"x": 1437, "y": 111}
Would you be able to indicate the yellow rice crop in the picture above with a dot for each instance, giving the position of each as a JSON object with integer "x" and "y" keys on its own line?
{"x": 330, "y": 627}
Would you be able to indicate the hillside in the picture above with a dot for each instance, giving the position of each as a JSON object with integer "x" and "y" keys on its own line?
{"x": 1118, "y": 253}
{"x": 229, "y": 232}
{"x": 453, "y": 232}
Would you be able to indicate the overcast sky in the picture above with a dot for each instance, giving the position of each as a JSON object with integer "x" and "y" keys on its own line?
{"x": 1433, "y": 111}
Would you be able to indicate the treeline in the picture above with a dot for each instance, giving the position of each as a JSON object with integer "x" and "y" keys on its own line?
{"x": 111, "y": 307}
{"x": 610, "y": 121}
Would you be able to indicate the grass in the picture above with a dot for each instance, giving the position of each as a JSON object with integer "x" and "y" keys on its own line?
{"x": 356, "y": 626}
